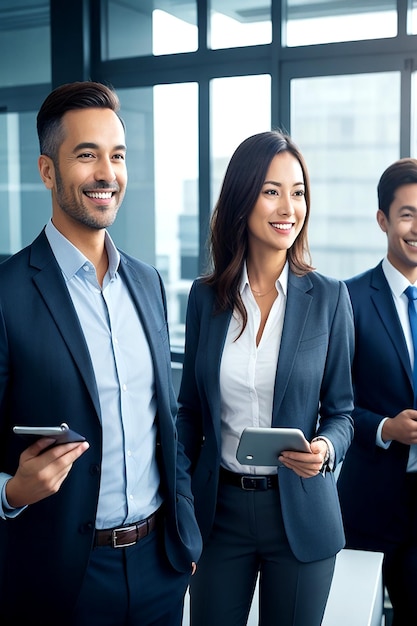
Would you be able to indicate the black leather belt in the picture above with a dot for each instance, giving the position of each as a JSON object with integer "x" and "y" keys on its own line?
{"x": 249, "y": 482}
{"x": 128, "y": 535}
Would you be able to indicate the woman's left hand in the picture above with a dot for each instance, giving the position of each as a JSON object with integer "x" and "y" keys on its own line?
{"x": 306, "y": 464}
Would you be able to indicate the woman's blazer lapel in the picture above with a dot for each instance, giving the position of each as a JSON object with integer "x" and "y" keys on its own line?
{"x": 296, "y": 317}
{"x": 216, "y": 337}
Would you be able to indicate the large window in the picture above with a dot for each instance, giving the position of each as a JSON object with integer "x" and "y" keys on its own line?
{"x": 24, "y": 201}
{"x": 338, "y": 20}
{"x": 24, "y": 42}
{"x": 240, "y": 107}
{"x": 196, "y": 77}
{"x": 162, "y": 200}
{"x": 412, "y": 17}
{"x": 348, "y": 129}
{"x": 239, "y": 23}
{"x": 139, "y": 28}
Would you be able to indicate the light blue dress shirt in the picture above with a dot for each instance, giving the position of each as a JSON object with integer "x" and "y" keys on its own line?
{"x": 124, "y": 375}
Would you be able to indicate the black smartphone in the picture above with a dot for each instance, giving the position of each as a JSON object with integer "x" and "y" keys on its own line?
{"x": 62, "y": 433}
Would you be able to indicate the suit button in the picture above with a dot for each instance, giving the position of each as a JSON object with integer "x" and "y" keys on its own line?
{"x": 86, "y": 528}
{"x": 94, "y": 469}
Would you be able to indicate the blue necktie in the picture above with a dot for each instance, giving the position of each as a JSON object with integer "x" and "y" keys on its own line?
{"x": 411, "y": 293}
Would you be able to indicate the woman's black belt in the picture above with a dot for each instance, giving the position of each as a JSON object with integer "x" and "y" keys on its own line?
{"x": 249, "y": 482}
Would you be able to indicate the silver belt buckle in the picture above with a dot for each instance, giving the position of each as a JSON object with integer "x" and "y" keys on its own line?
{"x": 115, "y": 537}
{"x": 252, "y": 483}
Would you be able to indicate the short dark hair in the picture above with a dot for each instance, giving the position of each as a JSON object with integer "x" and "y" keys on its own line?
{"x": 77, "y": 95}
{"x": 242, "y": 185}
{"x": 401, "y": 172}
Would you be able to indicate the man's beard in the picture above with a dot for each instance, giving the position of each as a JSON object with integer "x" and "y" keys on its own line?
{"x": 71, "y": 206}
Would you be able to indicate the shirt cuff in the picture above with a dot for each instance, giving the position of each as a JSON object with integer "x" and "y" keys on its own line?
{"x": 379, "y": 441}
{"x": 6, "y": 511}
{"x": 329, "y": 460}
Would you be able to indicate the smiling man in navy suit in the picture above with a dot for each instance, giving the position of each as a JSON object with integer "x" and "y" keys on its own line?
{"x": 378, "y": 479}
{"x": 101, "y": 532}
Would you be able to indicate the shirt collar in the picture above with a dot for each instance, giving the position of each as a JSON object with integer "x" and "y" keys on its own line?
{"x": 70, "y": 259}
{"x": 397, "y": 281}
{"x": 282, "y": 280}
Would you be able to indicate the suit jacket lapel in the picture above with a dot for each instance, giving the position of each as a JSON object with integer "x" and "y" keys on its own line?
{"x": 216, "y": 338}
{"x": 51, "y": 286}
{"x": 381, "y": 298}
{"x": 296, "y": 314}
{"x": 138, "y": 284}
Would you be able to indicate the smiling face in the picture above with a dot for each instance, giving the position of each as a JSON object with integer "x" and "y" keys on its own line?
{"x": 279, "y": 213}
{"x": 89, "y": 180}
{"x": 401, "y": 230}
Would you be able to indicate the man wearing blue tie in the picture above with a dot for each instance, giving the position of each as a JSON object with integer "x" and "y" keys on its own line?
{"x": 378, "y": 480}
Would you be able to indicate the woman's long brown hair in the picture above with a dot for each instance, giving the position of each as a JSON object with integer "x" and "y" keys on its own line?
{"x": 228, "y": 238}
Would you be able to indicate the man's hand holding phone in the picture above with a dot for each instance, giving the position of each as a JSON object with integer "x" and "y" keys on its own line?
{"x": 43, "y": 467}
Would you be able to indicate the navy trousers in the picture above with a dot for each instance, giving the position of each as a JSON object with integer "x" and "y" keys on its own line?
{"x": 399, "y": 567}
{"x": 248, "y": 538}
{"x": 133, "y": 586}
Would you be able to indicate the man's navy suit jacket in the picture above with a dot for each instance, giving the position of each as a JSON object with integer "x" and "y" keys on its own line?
{"x": 313, "y": 379}
{"x": 372, "y": 479}
{"x": 46, "y": 377}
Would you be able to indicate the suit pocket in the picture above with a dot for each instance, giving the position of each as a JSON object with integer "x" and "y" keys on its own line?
{"x": 313, "y": 342}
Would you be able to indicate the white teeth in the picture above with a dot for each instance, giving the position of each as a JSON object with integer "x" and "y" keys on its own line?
{"x": 282, "y": 226}
{"x": 103, "y": 195}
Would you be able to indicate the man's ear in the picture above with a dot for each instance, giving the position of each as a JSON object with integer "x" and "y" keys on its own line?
{"x": 47, "y": 171}
{"x": 382, "y": 220}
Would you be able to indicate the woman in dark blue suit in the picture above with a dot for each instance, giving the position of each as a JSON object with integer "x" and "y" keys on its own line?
{"x": 269, "y": 343}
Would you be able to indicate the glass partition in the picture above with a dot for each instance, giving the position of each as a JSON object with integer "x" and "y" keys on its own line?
{"x": 413, "y": 143}
{"x": 240, "y": 107}
{"x": 310, "y": 23}
{"x": 25, "y": 203}
{"x": 235, "y": 23}
{"x": 158, "y": 221}
{"x": 348, "y": 128}
{"x": 24, "y": 42}
{"x": 144, "y": 28}
{"x": 412, "y": 17}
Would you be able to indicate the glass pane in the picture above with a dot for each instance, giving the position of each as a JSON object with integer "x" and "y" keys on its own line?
{"x": 240, "y": 107}
{"x": 348, "y": 129}
{"x": 337, "y": 20}
{"x": 235, "y": 23}
{"x": 176, "y": 196}
{"x": 24, "y": 200}
{"x": 412, "y": 17}
{"x": 158, "y": 221}
{"x": 414, "y": 115}
{"x": 24, "y": 42}
{"x": 145, "y": 28}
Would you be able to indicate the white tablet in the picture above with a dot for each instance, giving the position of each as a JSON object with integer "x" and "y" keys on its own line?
{"x": 262, "y": 446}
